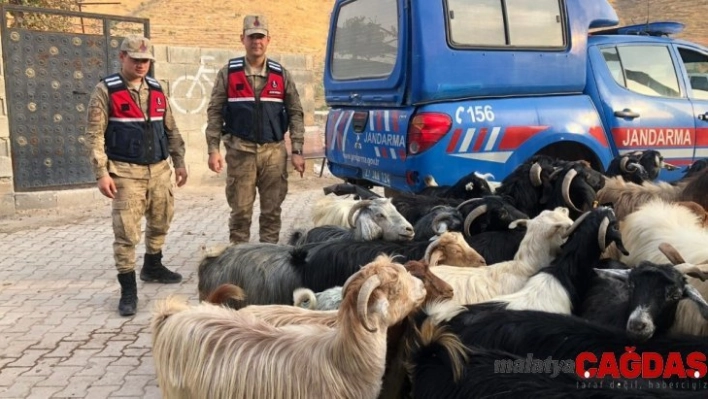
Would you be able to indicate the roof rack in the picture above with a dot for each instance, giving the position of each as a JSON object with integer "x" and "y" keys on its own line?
{"x": 648, "y": 29}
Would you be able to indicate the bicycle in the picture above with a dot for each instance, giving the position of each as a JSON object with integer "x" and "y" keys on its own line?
{"x": 180, "y": 92}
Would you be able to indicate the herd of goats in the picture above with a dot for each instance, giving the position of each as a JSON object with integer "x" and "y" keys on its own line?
{"x": 426, "y": 295}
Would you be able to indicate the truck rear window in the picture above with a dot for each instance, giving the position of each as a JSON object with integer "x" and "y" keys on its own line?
{"x": 505, "y": 23}
{"x": 365, "y": 40}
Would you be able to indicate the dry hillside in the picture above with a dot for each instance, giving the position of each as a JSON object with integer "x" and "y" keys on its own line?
{"x": 689, "y": 12}
{"x": 300, "y": 26}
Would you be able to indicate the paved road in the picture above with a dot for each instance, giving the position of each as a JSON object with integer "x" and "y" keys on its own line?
{"x": 60, "y": 333}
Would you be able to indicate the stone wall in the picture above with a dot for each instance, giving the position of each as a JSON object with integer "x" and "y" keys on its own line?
{"x": 179, "y": 69}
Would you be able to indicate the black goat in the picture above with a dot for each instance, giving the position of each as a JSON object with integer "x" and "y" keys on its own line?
{"x": 497, "y": 246}
{"x": 575, "y": 185}
{"x": 695, "y": 168}
{"x": 435, "y": 357}
{"x": 330, "y": 264}
{"x": 528, "y": 185}
{"x": 470, "y": 186}
{"x": 643, "y": 299}
{"x": 629, "y": 167}
{"x": 489, "y": 213}
{"x": 440, "y": 219}
{"x": 521, "y": 333}
{"x": 415, "y": 206}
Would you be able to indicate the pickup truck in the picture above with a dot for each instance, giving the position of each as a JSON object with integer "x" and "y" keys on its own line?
{"x": 419, "y": 88}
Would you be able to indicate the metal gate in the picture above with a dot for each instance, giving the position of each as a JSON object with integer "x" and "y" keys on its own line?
{"x": 52, "y": 61}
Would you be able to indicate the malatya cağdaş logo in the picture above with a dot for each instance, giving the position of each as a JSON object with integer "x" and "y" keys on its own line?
{"x": 647, "y": 365}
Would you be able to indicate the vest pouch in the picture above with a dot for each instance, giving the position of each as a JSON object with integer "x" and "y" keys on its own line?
{"x": 163, "y": 146}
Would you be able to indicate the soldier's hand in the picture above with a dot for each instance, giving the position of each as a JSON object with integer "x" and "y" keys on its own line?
{"x": 216, "y": 162}
{"x": 180, "y": 176}
{"x": 107, "y": 186}
{"x": 298, "y": 162}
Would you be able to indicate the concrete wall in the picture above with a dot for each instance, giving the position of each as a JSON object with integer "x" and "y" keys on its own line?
{"x": 177, "y": 68}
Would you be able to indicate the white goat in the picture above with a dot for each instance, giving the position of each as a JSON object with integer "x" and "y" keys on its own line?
{"x": 540, "y": 245}
{"x": 333, "y": 211}
{"x": 210, "y": 351}
{"x": 657, "y": 222}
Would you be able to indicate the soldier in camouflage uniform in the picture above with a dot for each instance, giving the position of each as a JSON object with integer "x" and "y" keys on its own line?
{"x": 253, "y": 103}
{"x": 131, "y": 132}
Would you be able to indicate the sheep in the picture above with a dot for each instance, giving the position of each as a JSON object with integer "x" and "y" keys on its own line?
{"x": 209, "y": 351}
{"x": 269, "y": 273}
{"x": 560, "y": 287}
{"x": 460, "y": 353}
{"x": 541, "y": 244}
{"x": 369, "y": 220}
{"x": 545, "y": 334}
{"x": 329, "y": 264}
{"x": 472, "y": 185}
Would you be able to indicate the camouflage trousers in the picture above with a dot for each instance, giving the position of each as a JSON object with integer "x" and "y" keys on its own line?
{"x": 252, "y": 166}
{"x": 152, "y": 198}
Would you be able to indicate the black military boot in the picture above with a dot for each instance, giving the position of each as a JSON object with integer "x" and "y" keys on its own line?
{"x": 128, "y": 294}
{"x": 155, "y": 272}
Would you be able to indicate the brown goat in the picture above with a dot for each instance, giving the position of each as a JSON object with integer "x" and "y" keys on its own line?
{"x": 216, "y": 352}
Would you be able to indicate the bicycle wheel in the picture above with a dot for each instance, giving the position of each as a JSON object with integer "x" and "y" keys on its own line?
{"x": 188, "y": 95}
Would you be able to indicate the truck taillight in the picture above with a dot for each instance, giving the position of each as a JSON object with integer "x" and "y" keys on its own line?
{"x": 426, "y": 129}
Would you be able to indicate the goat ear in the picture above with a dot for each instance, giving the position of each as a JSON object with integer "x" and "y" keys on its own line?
{"x": 381, "y": 306}
{"x": 518, "y": 222}
{"x": 692, "y": 293}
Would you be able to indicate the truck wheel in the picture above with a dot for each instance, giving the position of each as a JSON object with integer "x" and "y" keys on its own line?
{"x": 572, "y": 152}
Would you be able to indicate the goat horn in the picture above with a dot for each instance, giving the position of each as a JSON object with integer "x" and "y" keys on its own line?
{"x": 356, "y": 207}
{"x": 467, "y": 202}
{"x": 623, "y": 163}
{"x": 565, "y": 189}
{"x": 362, "y": 304}
{"x": 575, "y": 225}
{"x": 602, "y": 234}
{"x": 692, "y": 293}
{"x": 622, "y": 274}
{"x": 692, "y": 270}
{"x": 555, "y": 172}
{"x": 657, "y": 161}
{"x": 535, "y": 174}
{"x": 435, "y": 242}
{"x": 671, "y": 253}
{"x": 476, "y": 212}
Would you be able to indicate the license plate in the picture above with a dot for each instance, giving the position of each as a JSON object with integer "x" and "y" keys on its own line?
{"x": 377, "y": 176}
